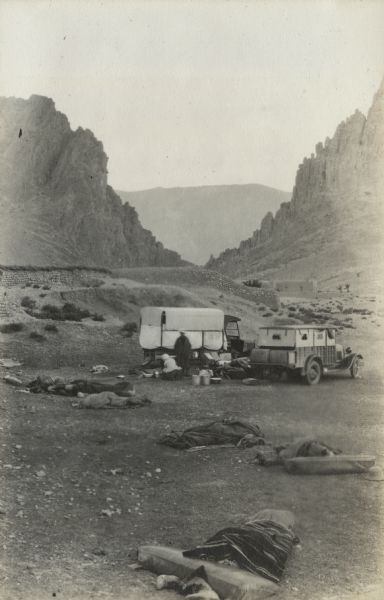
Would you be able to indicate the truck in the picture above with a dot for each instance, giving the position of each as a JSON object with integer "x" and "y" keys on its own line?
{"x": 309, "y": 351}
{"x": 208, "y": 329}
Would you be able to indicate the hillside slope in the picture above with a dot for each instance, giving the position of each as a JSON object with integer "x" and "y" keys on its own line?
{"x": 332, "y": 227}
{"x": 55, "y": 201}
{"x": 200, "y": 221}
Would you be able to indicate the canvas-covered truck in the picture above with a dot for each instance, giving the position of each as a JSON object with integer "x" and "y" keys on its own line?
{"x": 306, "y": 350}
{"x": 206, "y": 328}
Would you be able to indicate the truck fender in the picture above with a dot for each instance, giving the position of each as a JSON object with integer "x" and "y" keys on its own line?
{"x": 349, "y": 360}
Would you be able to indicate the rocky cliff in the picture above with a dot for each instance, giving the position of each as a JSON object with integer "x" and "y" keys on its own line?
{"x": 55, "y": 201}
{"x": 335, "y": 218}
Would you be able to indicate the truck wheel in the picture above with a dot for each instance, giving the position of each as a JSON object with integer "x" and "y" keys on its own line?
{"x": 355, "y": 369}
{"x": 313, "y": 372}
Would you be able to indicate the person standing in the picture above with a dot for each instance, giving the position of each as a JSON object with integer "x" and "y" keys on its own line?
{"x": 183, "y": 350}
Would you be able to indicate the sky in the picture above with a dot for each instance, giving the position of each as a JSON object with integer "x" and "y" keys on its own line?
{"x": 197, "y": 93}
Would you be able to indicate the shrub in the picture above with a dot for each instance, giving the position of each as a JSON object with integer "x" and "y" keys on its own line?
{"x": 51, "y": 311}
{"x": 71, "y": 312}
{"x": 95, "y": 283}
{"x": 34, "y": 335}
{"x": 27, "y": 302}
{"x": 129, "y": 328}
{"x": 268, "y": 314}
{"x": 46, "y": 287}
{"x": 67, "y": 312}
{"x": 36, "y": 286}
{"x": 51, "y": 327}
{"x": 97, "y": 317}
{"x": 11, "y": 327}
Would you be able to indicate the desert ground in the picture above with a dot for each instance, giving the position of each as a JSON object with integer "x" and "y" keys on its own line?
{"x": 61, "y": 467}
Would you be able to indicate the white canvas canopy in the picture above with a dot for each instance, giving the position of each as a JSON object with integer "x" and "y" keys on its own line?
{"x": 161, "y": 326}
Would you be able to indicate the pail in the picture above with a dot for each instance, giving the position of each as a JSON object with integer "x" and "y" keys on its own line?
{"x": 195, "y": 379}
{"x": 205, "y": 379}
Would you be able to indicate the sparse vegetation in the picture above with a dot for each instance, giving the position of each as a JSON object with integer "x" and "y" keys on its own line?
{"x": 11, "y": 327}
{"x": 28, "y": 302}
{"x": 67, "y": 312}
{"x": 38, "y": 337}
{"x": 97, "y": 317}
{"x": 95, "y": 283}
{"x": 128, "y": 329}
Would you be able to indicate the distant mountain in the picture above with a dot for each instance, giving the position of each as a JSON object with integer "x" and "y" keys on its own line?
{"x": 333, "y": 226}
{"x": 200, "y": 221}
{"x": 56, "y": 205}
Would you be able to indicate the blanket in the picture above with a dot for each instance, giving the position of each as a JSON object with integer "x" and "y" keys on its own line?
{"x": 270, "y": 455}
{"x": 111, "y": 400}
{"x": 260, "y": 547}
{"x": 227, "y": 431}
{"x": 86, "y": 386}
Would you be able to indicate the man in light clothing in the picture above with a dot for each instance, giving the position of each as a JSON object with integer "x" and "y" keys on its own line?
{"x": 170, "y": 370}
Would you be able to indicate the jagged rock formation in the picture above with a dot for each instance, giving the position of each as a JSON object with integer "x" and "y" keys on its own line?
{"x": 334, "y": 220}
{"x": 56, "y": 205}
{"x": 201, "y": 221}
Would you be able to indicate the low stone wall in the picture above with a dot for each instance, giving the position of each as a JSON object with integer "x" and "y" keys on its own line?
{"x": 55, "y": 277}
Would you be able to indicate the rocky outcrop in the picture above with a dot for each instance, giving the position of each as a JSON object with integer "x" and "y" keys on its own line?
{"x": 337, "y": 203}
{"x": 56, "y": 203}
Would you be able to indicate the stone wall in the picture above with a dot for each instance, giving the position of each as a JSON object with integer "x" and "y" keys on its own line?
{"x": 51, "y": 277}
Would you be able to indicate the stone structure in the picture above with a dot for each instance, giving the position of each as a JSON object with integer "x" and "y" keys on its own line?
{"x": 56, "y": 204}
{"x": 70, "y": 277}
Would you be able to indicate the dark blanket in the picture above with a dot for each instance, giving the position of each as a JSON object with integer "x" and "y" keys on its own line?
{"x": 218, "y": 432}
{"x": 260, "y": 547}
{"x": 72, "y": 388}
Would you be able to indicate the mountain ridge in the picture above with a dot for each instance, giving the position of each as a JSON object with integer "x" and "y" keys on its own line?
{"x": 199, "y": 221}
{"x": 56, "y": 204}
{"x": 337, "y": 199}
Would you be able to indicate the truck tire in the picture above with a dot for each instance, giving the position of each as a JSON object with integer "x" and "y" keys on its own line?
{"x": 313, "y": 372}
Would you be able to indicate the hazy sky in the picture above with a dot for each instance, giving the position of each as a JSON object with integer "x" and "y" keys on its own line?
{"x": 195, "y": 93}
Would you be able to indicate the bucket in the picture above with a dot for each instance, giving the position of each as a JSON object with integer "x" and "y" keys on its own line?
{"x": 205, "y": 379}
{"x": 195, "y": 379}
